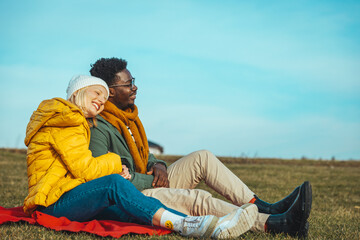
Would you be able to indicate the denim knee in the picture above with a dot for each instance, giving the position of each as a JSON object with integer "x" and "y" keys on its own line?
{"x": 116, "y": 179}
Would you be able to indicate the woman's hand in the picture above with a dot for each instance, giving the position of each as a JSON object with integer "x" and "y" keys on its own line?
{"x": 125, "y": 172}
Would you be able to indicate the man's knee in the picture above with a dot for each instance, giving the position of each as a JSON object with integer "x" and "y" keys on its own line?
{"x": 205, "y": 157}
{"x": 204, "y": 152}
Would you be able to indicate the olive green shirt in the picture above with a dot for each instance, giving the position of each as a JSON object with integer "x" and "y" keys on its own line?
{"x": 106, "y": 138}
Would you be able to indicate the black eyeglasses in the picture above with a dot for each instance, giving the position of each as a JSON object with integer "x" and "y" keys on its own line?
{"x": 130, "y": 85}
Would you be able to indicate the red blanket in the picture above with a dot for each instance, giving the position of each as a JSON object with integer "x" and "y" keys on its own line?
{"x": 98, "y": 227}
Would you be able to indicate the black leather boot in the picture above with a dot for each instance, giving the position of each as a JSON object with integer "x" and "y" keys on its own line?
{"x": 278, "y": 207}
{"x": 294, "y": 221}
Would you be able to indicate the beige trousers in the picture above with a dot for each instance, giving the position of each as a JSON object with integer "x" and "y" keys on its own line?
{"x": 186, "y": 173}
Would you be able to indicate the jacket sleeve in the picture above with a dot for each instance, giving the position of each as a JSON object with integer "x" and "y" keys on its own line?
{"x": 141, "y": 181}
{"x": 152, "y": 160}
{"x": 100, "y": 144}
{"x": 72, "y": 146}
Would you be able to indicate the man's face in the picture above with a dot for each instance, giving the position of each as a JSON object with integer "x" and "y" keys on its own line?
{"x": 121, "y": 93}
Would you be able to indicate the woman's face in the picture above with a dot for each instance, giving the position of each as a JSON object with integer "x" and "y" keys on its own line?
{"x": 95, "y": 98}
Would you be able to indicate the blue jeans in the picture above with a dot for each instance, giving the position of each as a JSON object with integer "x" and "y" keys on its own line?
{"x": 111, "y": 197}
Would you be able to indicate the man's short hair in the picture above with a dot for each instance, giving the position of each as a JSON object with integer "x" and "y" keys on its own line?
{"x": 107, "y": 68}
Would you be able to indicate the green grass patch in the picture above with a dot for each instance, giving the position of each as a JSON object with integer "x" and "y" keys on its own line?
{"x": 336, "y": 194}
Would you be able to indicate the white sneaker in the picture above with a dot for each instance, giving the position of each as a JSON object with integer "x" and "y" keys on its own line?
{"x": 237, "y": 222}
{"x": 197, "y": 226}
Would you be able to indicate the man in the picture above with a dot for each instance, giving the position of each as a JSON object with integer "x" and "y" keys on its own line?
{"x": 120, "y": 130}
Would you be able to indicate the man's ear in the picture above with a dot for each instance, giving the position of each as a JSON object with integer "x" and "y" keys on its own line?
{"x": 111, "y": 92}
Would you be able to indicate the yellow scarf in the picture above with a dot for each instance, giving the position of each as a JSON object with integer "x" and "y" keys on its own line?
{"x": 121, "y": 119}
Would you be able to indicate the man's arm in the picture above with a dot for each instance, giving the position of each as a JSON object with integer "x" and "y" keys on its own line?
{"x": 99, "y": 143}
{"x": 152, "y": 160}
{"x": 102, "y": 143}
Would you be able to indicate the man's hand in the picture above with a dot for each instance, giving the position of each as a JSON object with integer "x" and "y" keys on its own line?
{"x": 160, "y": 176}
{"x": 125, "y": 172}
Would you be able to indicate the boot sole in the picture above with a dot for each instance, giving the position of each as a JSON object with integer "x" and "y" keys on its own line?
{"x": 245, "y": 220}
{"x": 307, "y": 201}
{"x": 306, "y": 191}
{"x": 304, "y": 233}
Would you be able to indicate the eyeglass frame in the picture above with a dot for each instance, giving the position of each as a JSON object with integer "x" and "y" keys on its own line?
{"x": 130, "y": 85}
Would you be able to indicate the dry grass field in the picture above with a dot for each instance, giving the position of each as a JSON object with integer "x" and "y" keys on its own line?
{"x": 336, "y": 194}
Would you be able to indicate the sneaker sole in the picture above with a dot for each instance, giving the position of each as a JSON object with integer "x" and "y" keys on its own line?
{"x": 211, "y": 228}
{"x": 246, "y": 217}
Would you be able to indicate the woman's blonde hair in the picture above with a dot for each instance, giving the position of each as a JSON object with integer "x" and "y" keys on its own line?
{"x": 79, "y": 99}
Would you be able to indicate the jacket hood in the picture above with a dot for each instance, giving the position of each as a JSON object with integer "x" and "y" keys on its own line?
{"x": 55, "y": 112}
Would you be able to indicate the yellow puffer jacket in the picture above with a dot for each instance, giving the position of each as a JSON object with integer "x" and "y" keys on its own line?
{"x": 58, "y": 155}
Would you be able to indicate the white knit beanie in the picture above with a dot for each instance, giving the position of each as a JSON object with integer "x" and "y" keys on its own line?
{"x": 80, "y": 81}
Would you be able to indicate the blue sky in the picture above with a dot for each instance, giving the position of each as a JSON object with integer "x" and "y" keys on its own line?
{"x": 239, "y": 78}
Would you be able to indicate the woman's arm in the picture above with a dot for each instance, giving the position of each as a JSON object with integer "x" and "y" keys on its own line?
{"x": 73, "y": 147}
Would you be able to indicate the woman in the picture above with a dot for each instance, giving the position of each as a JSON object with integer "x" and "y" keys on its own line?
{"x": 65, "y": 180}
